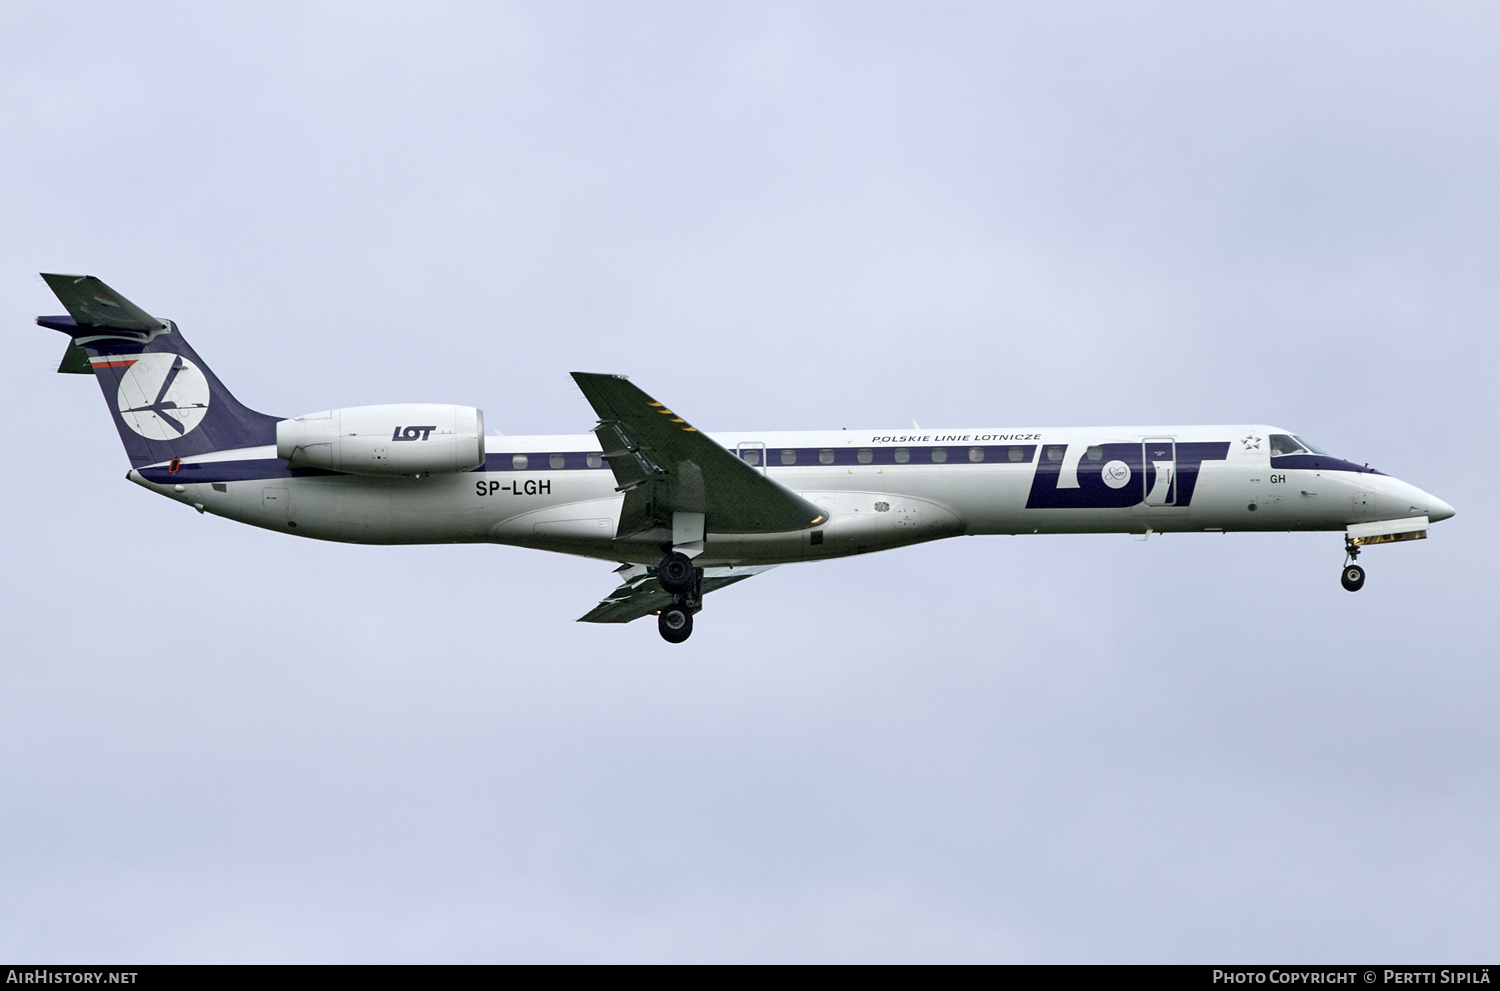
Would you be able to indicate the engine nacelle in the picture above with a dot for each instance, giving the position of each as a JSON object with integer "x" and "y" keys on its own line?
{"x": 399, "y": 439}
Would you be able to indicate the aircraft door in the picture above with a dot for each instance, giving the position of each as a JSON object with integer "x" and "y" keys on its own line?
{"x": 1159, "y": 477}
{"x": 753, "y": 452}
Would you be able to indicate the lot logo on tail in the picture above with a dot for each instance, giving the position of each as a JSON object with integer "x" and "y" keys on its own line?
{"x": 162, "y": 396}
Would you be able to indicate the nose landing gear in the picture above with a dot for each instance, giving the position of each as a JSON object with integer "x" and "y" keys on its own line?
{"x": 1353, "y": 578}
{"x": 677, "y": 576}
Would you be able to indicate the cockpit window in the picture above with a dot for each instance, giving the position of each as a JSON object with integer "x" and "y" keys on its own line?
{"x": 1312, "y": 447}
{"x": 1283, "y": 444}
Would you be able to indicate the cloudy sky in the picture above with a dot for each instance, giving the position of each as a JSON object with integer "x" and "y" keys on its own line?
{"x": 224, "y": 744}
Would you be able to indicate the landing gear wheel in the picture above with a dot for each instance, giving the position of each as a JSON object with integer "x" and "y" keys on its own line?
{"x": 675, "y": 624}
{"x": 1353, "y": 578}
{"x": 675, "y": 573}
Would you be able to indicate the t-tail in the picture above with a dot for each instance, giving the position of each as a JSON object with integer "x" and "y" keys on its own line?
{"x": 165, "y": 401}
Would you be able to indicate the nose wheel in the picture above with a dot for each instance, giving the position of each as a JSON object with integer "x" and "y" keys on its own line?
{"x": 1353, "y": 578}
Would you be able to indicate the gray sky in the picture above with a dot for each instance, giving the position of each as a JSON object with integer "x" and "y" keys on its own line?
{"x": 223, "y": 744}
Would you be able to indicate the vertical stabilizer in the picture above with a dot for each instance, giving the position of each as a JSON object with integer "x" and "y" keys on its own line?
{"x": 166, "y": 403}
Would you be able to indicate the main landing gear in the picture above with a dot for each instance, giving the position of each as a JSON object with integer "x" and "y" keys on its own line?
{"x": 1353, "y": 578}
{"x": 677, "y": 575}
{"x": 675, "y": 623}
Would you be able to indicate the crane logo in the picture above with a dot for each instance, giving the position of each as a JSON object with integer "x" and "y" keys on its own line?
{"x": 163, "y": 396}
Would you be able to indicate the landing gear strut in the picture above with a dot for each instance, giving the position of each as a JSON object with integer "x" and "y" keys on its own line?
{"x": 677, "y": 575}
{"x": 1353, "y": 578}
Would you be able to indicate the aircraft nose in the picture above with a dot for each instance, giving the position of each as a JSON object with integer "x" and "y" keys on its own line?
{"x": 1437, "y": 509}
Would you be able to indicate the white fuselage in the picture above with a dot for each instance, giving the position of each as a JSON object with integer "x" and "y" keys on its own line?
{"x": 879, "y": 489}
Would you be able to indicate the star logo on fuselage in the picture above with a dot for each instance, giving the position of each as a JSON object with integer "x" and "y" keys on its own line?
{"x": 1251, "y": 442}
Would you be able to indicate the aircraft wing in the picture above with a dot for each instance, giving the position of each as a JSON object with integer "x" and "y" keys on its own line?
{"x": 664, "y": 465}
{"x": 640, "y": 595}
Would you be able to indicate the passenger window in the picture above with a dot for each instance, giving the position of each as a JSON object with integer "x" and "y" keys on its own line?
{"x": 518, "y": 462}
{"x": 866, "y": 455}
{"x": 1016, "y": 454}
{"x": 751, "y": 457}
{"x": 1283, "y": 444}
{"x": 557, "y": 460}
{"x": 595, "y": 460}
{"x": 976, "y": 454}
{"x": 1055, "y": 452}
{"x": 825, "y": 457}
{"x": 1094, "y": 453}
{"x": 939, "y": 454}
{"x": 788, "y": 457}
{"x": 902, "y": 455}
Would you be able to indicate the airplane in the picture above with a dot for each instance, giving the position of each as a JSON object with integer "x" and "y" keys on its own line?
{"x": 681, "y": 512}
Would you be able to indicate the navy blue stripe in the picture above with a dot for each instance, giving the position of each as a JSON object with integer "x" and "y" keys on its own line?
{"x": 542, "y": 461}
{"x": 811, "y": 457}
{"x": 805, "y": 457}
{"x": 229, "y": 471}
{"x": 238, "y": 471}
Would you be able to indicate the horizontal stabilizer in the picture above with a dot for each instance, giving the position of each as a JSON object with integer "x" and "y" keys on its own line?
{"x": 93, "y": 304}
{"x": 641, "y": 594}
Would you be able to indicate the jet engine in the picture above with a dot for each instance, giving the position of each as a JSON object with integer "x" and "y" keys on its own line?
{"x": 399, "y": 439}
